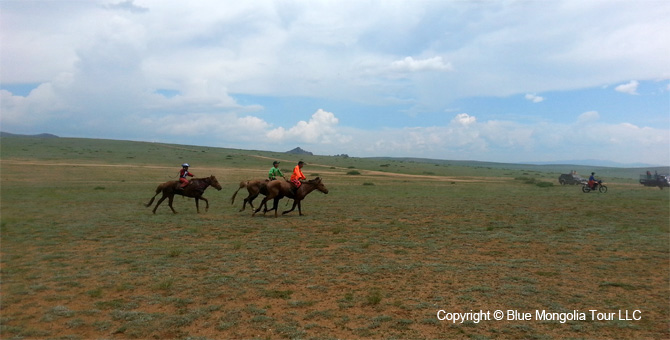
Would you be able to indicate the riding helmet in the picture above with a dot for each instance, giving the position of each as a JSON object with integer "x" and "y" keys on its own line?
{"x": 185, "y": 165}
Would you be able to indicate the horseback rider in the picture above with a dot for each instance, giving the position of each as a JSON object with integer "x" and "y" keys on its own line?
{"x": 274, "y": 171}
{"x": 183, "y": 173}
{"x": 297, "y": 176}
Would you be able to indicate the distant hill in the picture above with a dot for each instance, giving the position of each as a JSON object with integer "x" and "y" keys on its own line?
{"x": 596, "y": 162}
{"x": 564, "y": 165}
{"x": 164, "y": 154}
{"x": 299, "y": 151}
{"x": 41, "y": 135}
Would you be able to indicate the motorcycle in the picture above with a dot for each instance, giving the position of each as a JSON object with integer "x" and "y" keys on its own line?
{"x": 598, "y": 185}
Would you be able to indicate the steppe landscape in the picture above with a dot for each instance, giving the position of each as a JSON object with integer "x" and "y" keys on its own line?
{"x": 395, "y": 246}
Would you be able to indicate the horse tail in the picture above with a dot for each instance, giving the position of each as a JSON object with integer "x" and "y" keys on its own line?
{"x": 243, "y": 184}
{"x": 150, "y": 202}
{"x": 158, "y": 191}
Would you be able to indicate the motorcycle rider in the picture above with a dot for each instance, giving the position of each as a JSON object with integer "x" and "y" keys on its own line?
{"x": 592, "y": 181}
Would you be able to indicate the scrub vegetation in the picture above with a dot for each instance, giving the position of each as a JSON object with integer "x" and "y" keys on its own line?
{"x": 377, "y": 257}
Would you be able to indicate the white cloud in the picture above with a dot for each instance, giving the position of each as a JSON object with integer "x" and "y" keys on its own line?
{"x": 409, "y": 64}
{"x": 508, "y": 141}
{"x": 321, "y": 128}
{"x": 629, "y": 88}
{"x": 127, "y": 5}
{"x": 273, "y": 48}
{"x": 464, "y": 119}
{"x": 533, "y": 98}
{"x": 222, "y": 129}
{"x": 588, "y": 117}
{"x": 100, "y": 63}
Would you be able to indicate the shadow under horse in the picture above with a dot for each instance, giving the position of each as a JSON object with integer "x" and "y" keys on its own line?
{"x": 279, "y": 189}
{"x": 195, "y": 188}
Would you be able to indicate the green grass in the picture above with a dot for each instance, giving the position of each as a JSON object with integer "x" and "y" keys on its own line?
{"x": 83, "y": 258}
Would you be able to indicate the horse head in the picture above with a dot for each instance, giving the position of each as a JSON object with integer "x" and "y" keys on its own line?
{"x": 319, "y": 185}
{"x": 214, "y": 182}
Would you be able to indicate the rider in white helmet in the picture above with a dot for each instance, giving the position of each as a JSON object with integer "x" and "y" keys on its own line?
{"x": 183, "y": 173}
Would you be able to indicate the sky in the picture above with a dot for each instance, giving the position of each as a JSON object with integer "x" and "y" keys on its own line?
{"x": 499, "y": 81}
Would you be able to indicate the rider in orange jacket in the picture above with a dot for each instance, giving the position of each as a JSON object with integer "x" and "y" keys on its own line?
{"x": 297, "y": 174}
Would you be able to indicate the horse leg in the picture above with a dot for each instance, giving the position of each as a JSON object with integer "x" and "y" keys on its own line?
{"x": 275, "y": 205}
{"x": 197, "y": 206}
{"x": 170, "y": 199}
{"x": 295, "y": 202}
{"x": 206, "y": 203}
{"x": 159, "y": 203}
{"x": 250, "y": 199}
{"x": 260, "y": 206}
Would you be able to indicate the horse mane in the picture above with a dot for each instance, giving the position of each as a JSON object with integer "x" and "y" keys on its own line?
{"x": 202, "y": 178}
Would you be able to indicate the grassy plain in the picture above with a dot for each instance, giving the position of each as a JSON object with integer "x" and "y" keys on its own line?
{"x": 392, "y": 243}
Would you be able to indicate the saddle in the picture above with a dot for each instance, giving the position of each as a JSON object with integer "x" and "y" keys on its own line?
{"x": 178, "y": 187}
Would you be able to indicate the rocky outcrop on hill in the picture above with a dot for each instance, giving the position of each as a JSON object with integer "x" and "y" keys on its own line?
{"x": 299, "y": 151}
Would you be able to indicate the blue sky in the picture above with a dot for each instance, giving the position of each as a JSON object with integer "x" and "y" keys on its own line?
{"x": 503, "y": 81}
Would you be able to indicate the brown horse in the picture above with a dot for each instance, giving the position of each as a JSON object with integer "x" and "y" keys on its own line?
{"x": 279, "y": 189}
{"x": 195, "y": 188}
{"x": 254, "y": 187}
